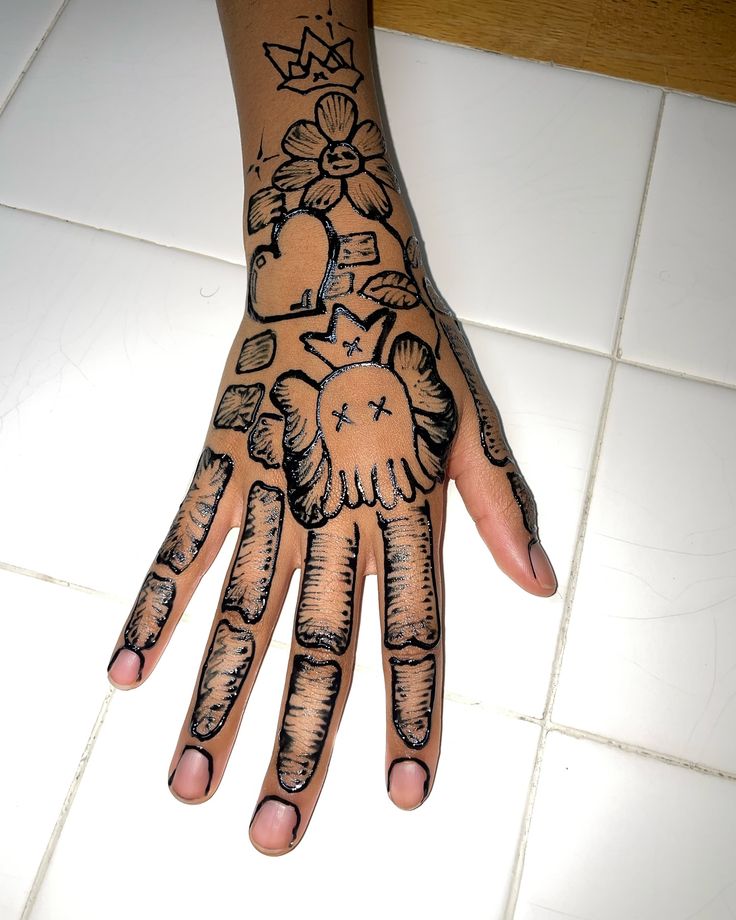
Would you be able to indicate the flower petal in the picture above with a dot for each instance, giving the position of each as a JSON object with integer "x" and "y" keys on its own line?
{"x": 322, "y": 194}
{"x": 295, "y": 174}
{"x": 368, "y": 139}
{"x": 368, "y": 196}
{"x": 380, "y": 168}
{"x": 304, "y": 139}
{"x": 336, "y": 116}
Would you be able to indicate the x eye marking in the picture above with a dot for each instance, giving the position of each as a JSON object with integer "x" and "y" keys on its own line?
{"x": 342, "y": 417}
{"x": 380, "y": 408}
{"x": 353, "y": 346}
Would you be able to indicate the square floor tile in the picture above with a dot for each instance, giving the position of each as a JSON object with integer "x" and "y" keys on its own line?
{"x": 456, "y": 852}
{"x": 651, "y": 652}
{"x": 616, "y": 835}
{"x": 680, "y": 310}
{"x": 23, "y": 24}
{"x": 111, "y": 351}
{"x": 526, "y": 180}
{"x": 127, "y": 121}
{"x": 54, "y": 652}
{"x": 500, "y": 640}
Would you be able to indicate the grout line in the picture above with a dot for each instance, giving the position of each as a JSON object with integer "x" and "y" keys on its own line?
{"x": 629, "y": 748}
{"x": 32, "y": 58}
{"x": 582, "y": 530}
{"x": 41, "y": 576}
{"x": 121, "y": 234}
{"x": 680, "y": 375}
{"x": 530, "y": 336}
{"x": 66, "y": 807}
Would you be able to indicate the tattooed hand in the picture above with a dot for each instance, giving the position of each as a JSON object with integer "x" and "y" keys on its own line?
{"x": 349, "y": 397}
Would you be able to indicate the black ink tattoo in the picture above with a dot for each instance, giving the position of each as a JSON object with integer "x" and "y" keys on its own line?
{"x": 325, "y": 614}
{"x": 310, "y": 704}
{"x": 260, "y": 159}
{"x": 334, "y": 157}
{"x": 322, "y": 458}
{"x": 353, "y": 347}
{"x": 150, "y": 613}
{"x": 193, "y": 521}
{"x": 315, "y": 64}
{"x": 413, "y": 252}
{"x": 340, "y": 284}
{"x": 282, "y": 283}
{"x": 409, "y": 587}
{"x": 380, "y": 408}
{"x": 238, "y": 406}
{"x": 342, "y": 417}
{"x": 264, "y": 440}
{"x": 525, "y": 501}
{"x": 250, "y": 579}
{"x": 257, "y": 353}
{"x": 228, "y": 661}
{"x": 412, "y": 695}
{"x": 357, "y": 249}
{"x": 347, "y": 334}
{"x": 492, "y": 435}
{"x": 392, "y": 289}
{"x": 267, "y": 206}
{"x": 327, "y": 19}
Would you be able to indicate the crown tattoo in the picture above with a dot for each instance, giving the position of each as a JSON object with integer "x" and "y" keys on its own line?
{"x": 315, "y": 64}
{"x": 348, "y": 340}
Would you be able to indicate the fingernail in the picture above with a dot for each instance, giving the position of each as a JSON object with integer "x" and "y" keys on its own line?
{"x": 125, "y": 667}
{"x": 274, "y": 825}
{"x": 542, "y": 567}
{"x": 408, "y": 783}
{"x": 193, "y": 774}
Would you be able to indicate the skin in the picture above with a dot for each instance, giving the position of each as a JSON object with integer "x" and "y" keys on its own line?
{"x": 362, "y": 368}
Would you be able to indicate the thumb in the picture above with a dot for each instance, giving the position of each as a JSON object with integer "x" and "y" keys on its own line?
{"x": 503, "y": 508}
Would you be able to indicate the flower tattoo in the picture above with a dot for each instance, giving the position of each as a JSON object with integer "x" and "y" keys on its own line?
{"x": 333, "y": 157}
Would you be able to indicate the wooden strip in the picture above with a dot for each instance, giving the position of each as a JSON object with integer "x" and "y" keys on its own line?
{"x": 685, "y": 46}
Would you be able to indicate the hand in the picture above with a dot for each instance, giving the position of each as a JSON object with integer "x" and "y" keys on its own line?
{"x": 349, "y": 397}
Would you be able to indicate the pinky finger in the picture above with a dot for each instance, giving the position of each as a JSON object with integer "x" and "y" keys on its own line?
{"x": 191, "y": 545}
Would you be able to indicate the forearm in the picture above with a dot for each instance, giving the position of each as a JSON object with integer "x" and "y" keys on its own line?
{"x": 276, "y": 88}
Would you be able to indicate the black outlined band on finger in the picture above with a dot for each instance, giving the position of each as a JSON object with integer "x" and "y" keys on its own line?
{"x": 325, "y": 614}
{"x": 252, "y": 572}
{"x": 313, "y": 690}
{"x": 410, "y": 591}
{"x": 525, "y": 500}
{"x": 227, "y": 664}
{"x": 195, "y": 516}
{"x": 412, "y": 698}
{"x": 150, "y": 612}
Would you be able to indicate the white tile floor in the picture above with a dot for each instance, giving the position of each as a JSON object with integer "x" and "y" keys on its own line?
{"x": 603, "y": 719}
